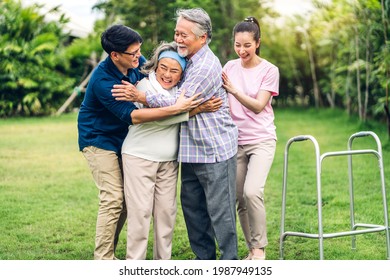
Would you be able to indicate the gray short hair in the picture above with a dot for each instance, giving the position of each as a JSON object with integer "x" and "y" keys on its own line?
{"x": 151, "y": 65}
{"x": 200, "y": 18}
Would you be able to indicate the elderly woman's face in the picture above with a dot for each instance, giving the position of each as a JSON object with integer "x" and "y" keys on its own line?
{"x": 168, "y": 72}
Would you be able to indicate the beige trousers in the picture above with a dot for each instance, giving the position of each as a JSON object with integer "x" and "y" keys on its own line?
{"x": 150, "y": 190}
{"x": 254, "y": 162}
{"x": 106, "y": 169}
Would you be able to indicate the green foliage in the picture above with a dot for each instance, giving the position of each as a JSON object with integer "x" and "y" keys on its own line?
{"x": 31, "y": 56}
{"x": 40, "y": 64}
{"x": 155, "y": 20}
{"x": 348, "y": 39}
{"x": 83, "y": 54}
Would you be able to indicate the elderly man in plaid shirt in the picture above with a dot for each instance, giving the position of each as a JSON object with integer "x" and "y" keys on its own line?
{"x": 208, "y": 142}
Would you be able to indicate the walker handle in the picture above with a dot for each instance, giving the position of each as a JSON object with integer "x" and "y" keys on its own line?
{"x": 362, "y": 134}
{"x": 300, "y": 138}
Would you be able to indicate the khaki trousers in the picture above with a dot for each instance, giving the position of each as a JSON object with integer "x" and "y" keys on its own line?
{"x": 150, "y": 190}
{"x": 254, "y": 162}
{"x": 106, "y": 169}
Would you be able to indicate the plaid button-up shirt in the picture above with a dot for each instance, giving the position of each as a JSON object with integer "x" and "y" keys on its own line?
{"x": 206, "y": 137}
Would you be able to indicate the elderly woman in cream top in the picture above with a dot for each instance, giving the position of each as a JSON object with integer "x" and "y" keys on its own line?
{"x": 150, "y": 165}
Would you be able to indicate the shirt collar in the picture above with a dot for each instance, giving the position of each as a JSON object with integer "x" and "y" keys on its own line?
{"x": 131, "y": 73}
{"x": 199, "y": 54}
{"x": 112, "y": 67}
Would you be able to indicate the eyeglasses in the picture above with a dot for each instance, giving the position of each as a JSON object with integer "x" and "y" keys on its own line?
{"x": 132, "y": 53}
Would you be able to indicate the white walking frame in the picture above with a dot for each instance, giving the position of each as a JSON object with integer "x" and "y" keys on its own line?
{"x": 367, "y": 228}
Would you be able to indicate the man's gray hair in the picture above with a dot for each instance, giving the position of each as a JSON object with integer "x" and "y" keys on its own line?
{"x": 151, "y": 65}
{"x": 200, "y": 18}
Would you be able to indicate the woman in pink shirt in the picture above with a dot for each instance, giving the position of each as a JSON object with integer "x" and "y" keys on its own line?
{"x": 251, "y": 82}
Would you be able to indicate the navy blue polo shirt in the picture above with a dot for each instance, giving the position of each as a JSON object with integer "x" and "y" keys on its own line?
{"x": 102, "y": 121}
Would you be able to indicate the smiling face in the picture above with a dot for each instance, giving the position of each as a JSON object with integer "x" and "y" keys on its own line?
{"x": 188, "y": 43}
{"x": 127, "y": 59}
{"x": 168, "y": 72}
{"x": 245, "y": 46}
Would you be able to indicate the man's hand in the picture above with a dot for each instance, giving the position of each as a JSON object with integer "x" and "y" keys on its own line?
{"x": 184, "y": 104}
{"x": 211, "y": 105}
{"x": 128, "y": 92}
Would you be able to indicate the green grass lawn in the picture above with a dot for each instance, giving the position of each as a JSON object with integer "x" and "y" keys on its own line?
{"x": 49, "y": 201}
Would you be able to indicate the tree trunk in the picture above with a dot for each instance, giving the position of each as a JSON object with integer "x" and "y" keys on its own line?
{"x": 348, "y": 84}
{"x": 368, "y": 72}
{"x": 316, "y": 90}
{"x": 299, "y": 86}
{"x": 385, "y": 22}
{"x": 332, "y": 96}
{"x": 359, "y": 94}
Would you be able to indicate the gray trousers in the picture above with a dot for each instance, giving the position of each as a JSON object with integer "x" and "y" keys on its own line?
{"x": 208, "y": 196}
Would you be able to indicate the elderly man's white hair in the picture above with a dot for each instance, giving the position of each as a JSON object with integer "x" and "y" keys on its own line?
{"x": 200, "y": 18}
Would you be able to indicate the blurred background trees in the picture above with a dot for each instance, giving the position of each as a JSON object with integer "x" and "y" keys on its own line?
{"x": 337, "y": 55}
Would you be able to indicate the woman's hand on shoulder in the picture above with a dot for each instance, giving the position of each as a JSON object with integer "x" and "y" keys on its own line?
{"x": 228, "y": 85}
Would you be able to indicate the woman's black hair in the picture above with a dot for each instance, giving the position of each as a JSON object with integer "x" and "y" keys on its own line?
{"x": 249, "y": 24}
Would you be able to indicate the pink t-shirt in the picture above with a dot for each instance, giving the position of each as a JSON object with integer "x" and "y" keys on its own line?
{"x": 253, "y": 128}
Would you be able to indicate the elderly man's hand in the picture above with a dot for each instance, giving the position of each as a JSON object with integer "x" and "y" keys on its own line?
{"x": 185, "y": 104}
{"x": 128, "y": 92}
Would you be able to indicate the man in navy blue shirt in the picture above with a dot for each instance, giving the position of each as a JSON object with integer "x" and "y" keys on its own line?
{"x": 103, "y": 124}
